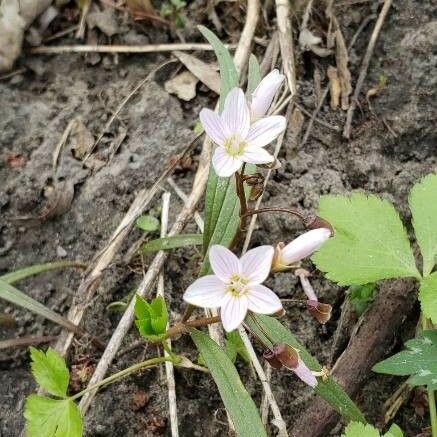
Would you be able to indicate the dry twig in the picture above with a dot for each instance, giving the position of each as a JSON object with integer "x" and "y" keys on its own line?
{"x": 365, "y": 66}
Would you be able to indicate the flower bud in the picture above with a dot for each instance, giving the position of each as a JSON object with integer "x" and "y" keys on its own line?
{"x": 271, "y": 358}
{"x": 286, "y": 355}
{"x": 320, "y": 311}
{"x": 301, "y": 247}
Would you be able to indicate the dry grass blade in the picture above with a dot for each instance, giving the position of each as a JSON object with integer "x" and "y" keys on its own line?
{"x": 26, "y": 341}
{"x": 365, "y": 66}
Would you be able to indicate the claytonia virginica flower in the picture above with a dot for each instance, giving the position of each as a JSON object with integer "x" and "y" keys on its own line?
{"x": 236, "y": 285}
{"x": 320, "y": 311}
{"x": 299, "y": 248}
{"x": 238, "y": 141}
{"x": 263, "y": 95}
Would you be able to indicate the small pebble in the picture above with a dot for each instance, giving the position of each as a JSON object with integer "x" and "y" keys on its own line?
{"x": 61, "y": 252}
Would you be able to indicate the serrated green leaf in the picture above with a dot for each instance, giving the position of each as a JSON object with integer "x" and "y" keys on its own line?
{"x": 357, "y": 429}
{"x": 329, "y": 390}
{"x": 228, "y": 73}
{"x": 370, "y": 241}
{"x": 423, "y": 205}
{"x": 36, "y": 269}
{"x": 419, "y": 360}
{"x": 236, "y": 399}
{"x": 253, "y": 75}
{"x": 172, "y": 242}
{"x": 151, "y": 318}
{"x": 147, "y": 223}
{"x": 428, "y": 296}
{"x": 47, "y": 417}
{"x": 17, "y": 297}
{"x": 50, "y": 371}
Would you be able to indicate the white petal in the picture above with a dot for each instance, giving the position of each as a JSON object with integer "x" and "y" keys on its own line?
{"x": 305, "y": 374}
{"x": 262, "y": 300}
{"x": 304, "y": 245}
{"x": 263, "y": 95}
{"x": 213, "y": 126}
{"x": 224, "y": 164}
{"x": 207, "y": 292}
{"x": 233, "y": 312}
{"x": 236, "y": 114}
{"x": 223, "y": 262}
{"x": 256, "y": 155}
{"x": 264, "y": 131}
{"x": 256, "y": 263}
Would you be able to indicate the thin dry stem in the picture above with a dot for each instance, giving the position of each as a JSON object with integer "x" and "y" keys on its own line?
{"x": 365, "y": 67}
{"x": 265, "y": 400}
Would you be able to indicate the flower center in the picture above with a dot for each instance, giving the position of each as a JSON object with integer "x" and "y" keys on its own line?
{"x": 237, "y": 286}
{"x": 234, "y": 146}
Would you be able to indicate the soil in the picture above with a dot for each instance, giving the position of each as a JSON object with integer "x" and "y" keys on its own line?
{"x": 394, "y": 144}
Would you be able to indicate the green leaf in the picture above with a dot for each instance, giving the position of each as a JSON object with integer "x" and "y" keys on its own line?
{"x": 253, "y": 76}
{"x": 147, "y": 223}
{"x": 237, "y": 401}
{"x": 151, "y": 317}
{"x": 423, "y": 205}
{"x": 361, "y": 296}
{"x": 50, "y": 371}
{"x": 47, "y": 417}
{"x": 234, "y": 346}
{"x": 172, "y": 242}
{"x": 357, "y": 429}
{"x": 17, "y": 297}
{"x": 428, "y": 296}
{"x": 329, "y": 390}
{"x": 228, "y": 73}
{"x": 370, "y": 242}
{"x": 419, "y": 360}
{"x": 26, "y": 272}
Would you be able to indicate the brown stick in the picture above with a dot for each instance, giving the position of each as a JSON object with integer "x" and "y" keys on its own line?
{"x": 365, "y": 67}
{"x": 372, "y": 339}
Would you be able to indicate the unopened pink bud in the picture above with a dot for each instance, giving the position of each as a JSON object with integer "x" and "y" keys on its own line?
{"x": 320, "y": 311}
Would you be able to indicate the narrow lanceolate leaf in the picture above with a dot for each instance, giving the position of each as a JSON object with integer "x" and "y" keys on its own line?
{"x": 370, "y": 242}
{"x": 228, "y": 73}
{"x": 253, "y": 76}
{"x": 428, "y": 296}
{"x": 423, "y": 205}
{"x": 17, "y": 297}
{"x": 47, "y": 417}
{"x": 329, "y": 390}
{"x": 172, "y": 242}
{"x": 418, "y": 360}
{"x": 50, "y": 371}
{"x": 236, "y": 399}
{"x": 26, "y": 272}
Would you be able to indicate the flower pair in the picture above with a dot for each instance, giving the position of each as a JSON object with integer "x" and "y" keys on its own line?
{"x": 240, "y": 131}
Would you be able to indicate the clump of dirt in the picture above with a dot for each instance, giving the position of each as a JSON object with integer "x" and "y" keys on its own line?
{"x": 394, "y": 144}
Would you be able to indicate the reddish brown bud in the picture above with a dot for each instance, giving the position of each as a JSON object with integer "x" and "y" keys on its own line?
{"x": 320, "y": 311}
{"x": 316, "y": 222}
{"x": 286, "y": 355}
{"x": 270, "y": 357}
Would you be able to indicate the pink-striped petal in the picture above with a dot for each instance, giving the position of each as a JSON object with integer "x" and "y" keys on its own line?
{"x": 213, "y": 126}
{"x": 263, "y": 95}
{"x": 256, "y": 155}
{"x": 224, "y": 164}
{"x": 223, "y": 262}
{"x": 305, "y": 374}
{"x": 233, "y": 312}
{"x": 256, "y": 264}
{"x": 264, "y": 131}
{"x": 262, "y": 300}
{"x": 207, "y": 292}
{"x": 304, "y": 245}
{"x": 236, "y": 114}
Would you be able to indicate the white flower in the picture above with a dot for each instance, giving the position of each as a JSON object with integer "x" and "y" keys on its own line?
{"x": 236, "y": 285}
{"x": 299, "y": 248}
{"x": 263, "y": 95}
{"x": 238, "y": 141}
